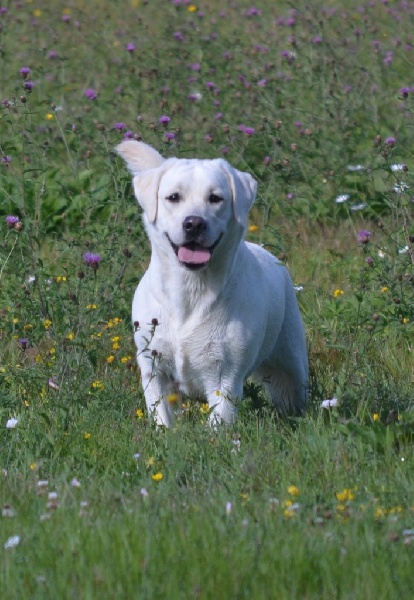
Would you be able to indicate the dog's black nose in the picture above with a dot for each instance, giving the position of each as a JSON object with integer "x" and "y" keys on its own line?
{"x": 194, "y": 225}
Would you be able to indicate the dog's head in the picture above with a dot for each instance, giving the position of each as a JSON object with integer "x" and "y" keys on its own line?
{"x": 192, "y": 206}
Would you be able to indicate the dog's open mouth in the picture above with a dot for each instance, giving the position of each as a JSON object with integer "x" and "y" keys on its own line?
{"x": 192, "y": 255}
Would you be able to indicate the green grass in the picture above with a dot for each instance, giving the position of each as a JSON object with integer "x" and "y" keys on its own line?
{"x": 321, "y": 507}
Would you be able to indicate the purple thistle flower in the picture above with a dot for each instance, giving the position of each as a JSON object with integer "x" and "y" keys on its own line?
{"x": 3, "y": 10}
{"x": 130, "y": 47}
{"x": 24, "y": 342}
{"x": 24, "y": 72}
{"x": 317, "y": 39}
{"x": 178, "y": 36}
{"x": 195, "y": 66}
{"x": 164, "y": 120}
{"x": 363, "y": 236}
{"x": 129, "y": 135}
{"x": 92, "y": 260}
{"x": 390, "y": 141}
{"x": 6, "y": 160}
{"x": 404, "y": 91}
{"x": 169, "y": 135}
{"x": 29, "y": 85}
{"x": 91, "y": 94}
{"x": 120, "y": 126}
{"x": 11, "y": 221}
{"x": 52, "y": 55}
{"x": 249, "y": 130}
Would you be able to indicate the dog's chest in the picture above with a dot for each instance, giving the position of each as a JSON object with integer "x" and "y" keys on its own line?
{"x": 195, "y": 357}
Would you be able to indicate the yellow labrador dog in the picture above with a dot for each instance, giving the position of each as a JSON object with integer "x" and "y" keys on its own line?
{"x": 212, "y": 308}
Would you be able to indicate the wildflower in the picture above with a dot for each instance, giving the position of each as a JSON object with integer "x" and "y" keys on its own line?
{"x": 192, "y": 8}
{"x": 157, "y": 476}
{"x": 6, "y": 160}
{"x": 168, "y": 136}
{"x": 173, "y": 398}
{"x": 91, "y": 94}
{"x": 293, "y": 490}
{"x": 24, "y": 72}
{"x": 130, "y": 47}
{"x": 205, "y": 408}
{"x": 375, "y": 417}
{"x": 144, "y": 493}
{"x": 384, "y": 289}
{"x": 331, "y": 403}
{"x": 29, "y": 85}
{"x": 363, "y": 236}
{"x": 125, "y": 359}
{"x": 229, "y": 508}
{"x": 345, "y": 496}
{"x": 47, "y": 323}
{"x": 370, "y": 261}
{"x": 12, "y": 542}
{"x": 75, "y": 483}
{"x": 97, "y": 385}
{"x": 164, "y": 120}
{"x": 120, "y": 126}
{"x": 86, "y": 435}
{"x": 390, "y": 141}
{"x": 91, "y": 306}
{"x": 139, "y": 413}
{"x": 12, "y": 221}
{"x": 253, "y": 228}
{"x": 110, "y": 359}
{"x": 53, "y": 385}
{"x": 342, "y": 198}
{"x": 92, "y": 260}
{"x": 11, "y": 423}
{"x": 337, "y": 293}
{"x": 33, "y": 466}
{"x": 24, "y": 342}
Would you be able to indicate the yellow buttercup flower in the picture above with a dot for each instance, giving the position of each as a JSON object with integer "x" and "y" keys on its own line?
{"x": 293, "y": 490}
{"x": 253, "y": 228}
{"x": 192, "y": 8}
{"x": 338, "y": 293}
{"x": 205, "y": 408}
{"x": 345, "y": 496}
{"x": 86, "y": 435}
{"x": 376, "y": 417}
{"x": 157, "y": 476}
{"x": 139, "y": 413}
{"x": 110, "y": 359}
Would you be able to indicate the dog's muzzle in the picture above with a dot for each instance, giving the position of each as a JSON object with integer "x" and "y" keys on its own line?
{"x": 193, "y": 253}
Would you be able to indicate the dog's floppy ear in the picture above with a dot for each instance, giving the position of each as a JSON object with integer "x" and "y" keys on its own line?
{"x": 243, "y": 188}
{"x": 145, "y": 164}
{"x": 139, "y": 156}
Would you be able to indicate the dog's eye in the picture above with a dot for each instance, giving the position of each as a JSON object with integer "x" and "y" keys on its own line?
{"x": 174, "y": 197}
{"x": 215, "y": 199}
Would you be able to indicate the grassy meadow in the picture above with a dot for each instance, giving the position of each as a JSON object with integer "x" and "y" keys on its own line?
{"x": 316, "y": 101}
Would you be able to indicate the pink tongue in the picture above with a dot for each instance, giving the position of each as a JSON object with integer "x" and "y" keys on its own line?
{"x": 196, "y": 257}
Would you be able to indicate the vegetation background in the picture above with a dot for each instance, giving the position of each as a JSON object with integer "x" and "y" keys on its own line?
{"x": 316, "y": 101}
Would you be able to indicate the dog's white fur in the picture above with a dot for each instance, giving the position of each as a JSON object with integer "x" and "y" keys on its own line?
{"x": 219, "y": 322}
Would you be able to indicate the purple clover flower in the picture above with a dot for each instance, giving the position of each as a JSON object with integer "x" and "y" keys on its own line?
{"x": 91, "y": 94}
{"x": 92, "y": 260}
{"x": 363, "y": 236}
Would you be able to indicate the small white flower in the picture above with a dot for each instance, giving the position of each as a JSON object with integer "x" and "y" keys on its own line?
{"x": 13, "y": 541}
{"x": 356, "y": 167}
{"x": 144, "y": 493}
{"x": 360, "y": 206}
{"x": 52, "y": 496}
{"x": 11, "y": 423}
{"x": 397, "y": 167}
{"x": 331, "y": 403}
{"x": 42, "y": 483}
{"x": 75, "y": 483}
{"x": 53, "y": 385}
{"x": 229, "y": 507}
{"x": 403, "y": 250}
{"x": 400, "y": 187}
{"x": 298, "y": 288}
{"x": 136, "y": 456}
{"x": 342, "y": 198}
{"x": 31, "y": 279}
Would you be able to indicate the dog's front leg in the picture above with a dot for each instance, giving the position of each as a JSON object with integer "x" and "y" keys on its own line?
{"x": 223, "y": 405}
{"x": 156, "y": 398}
